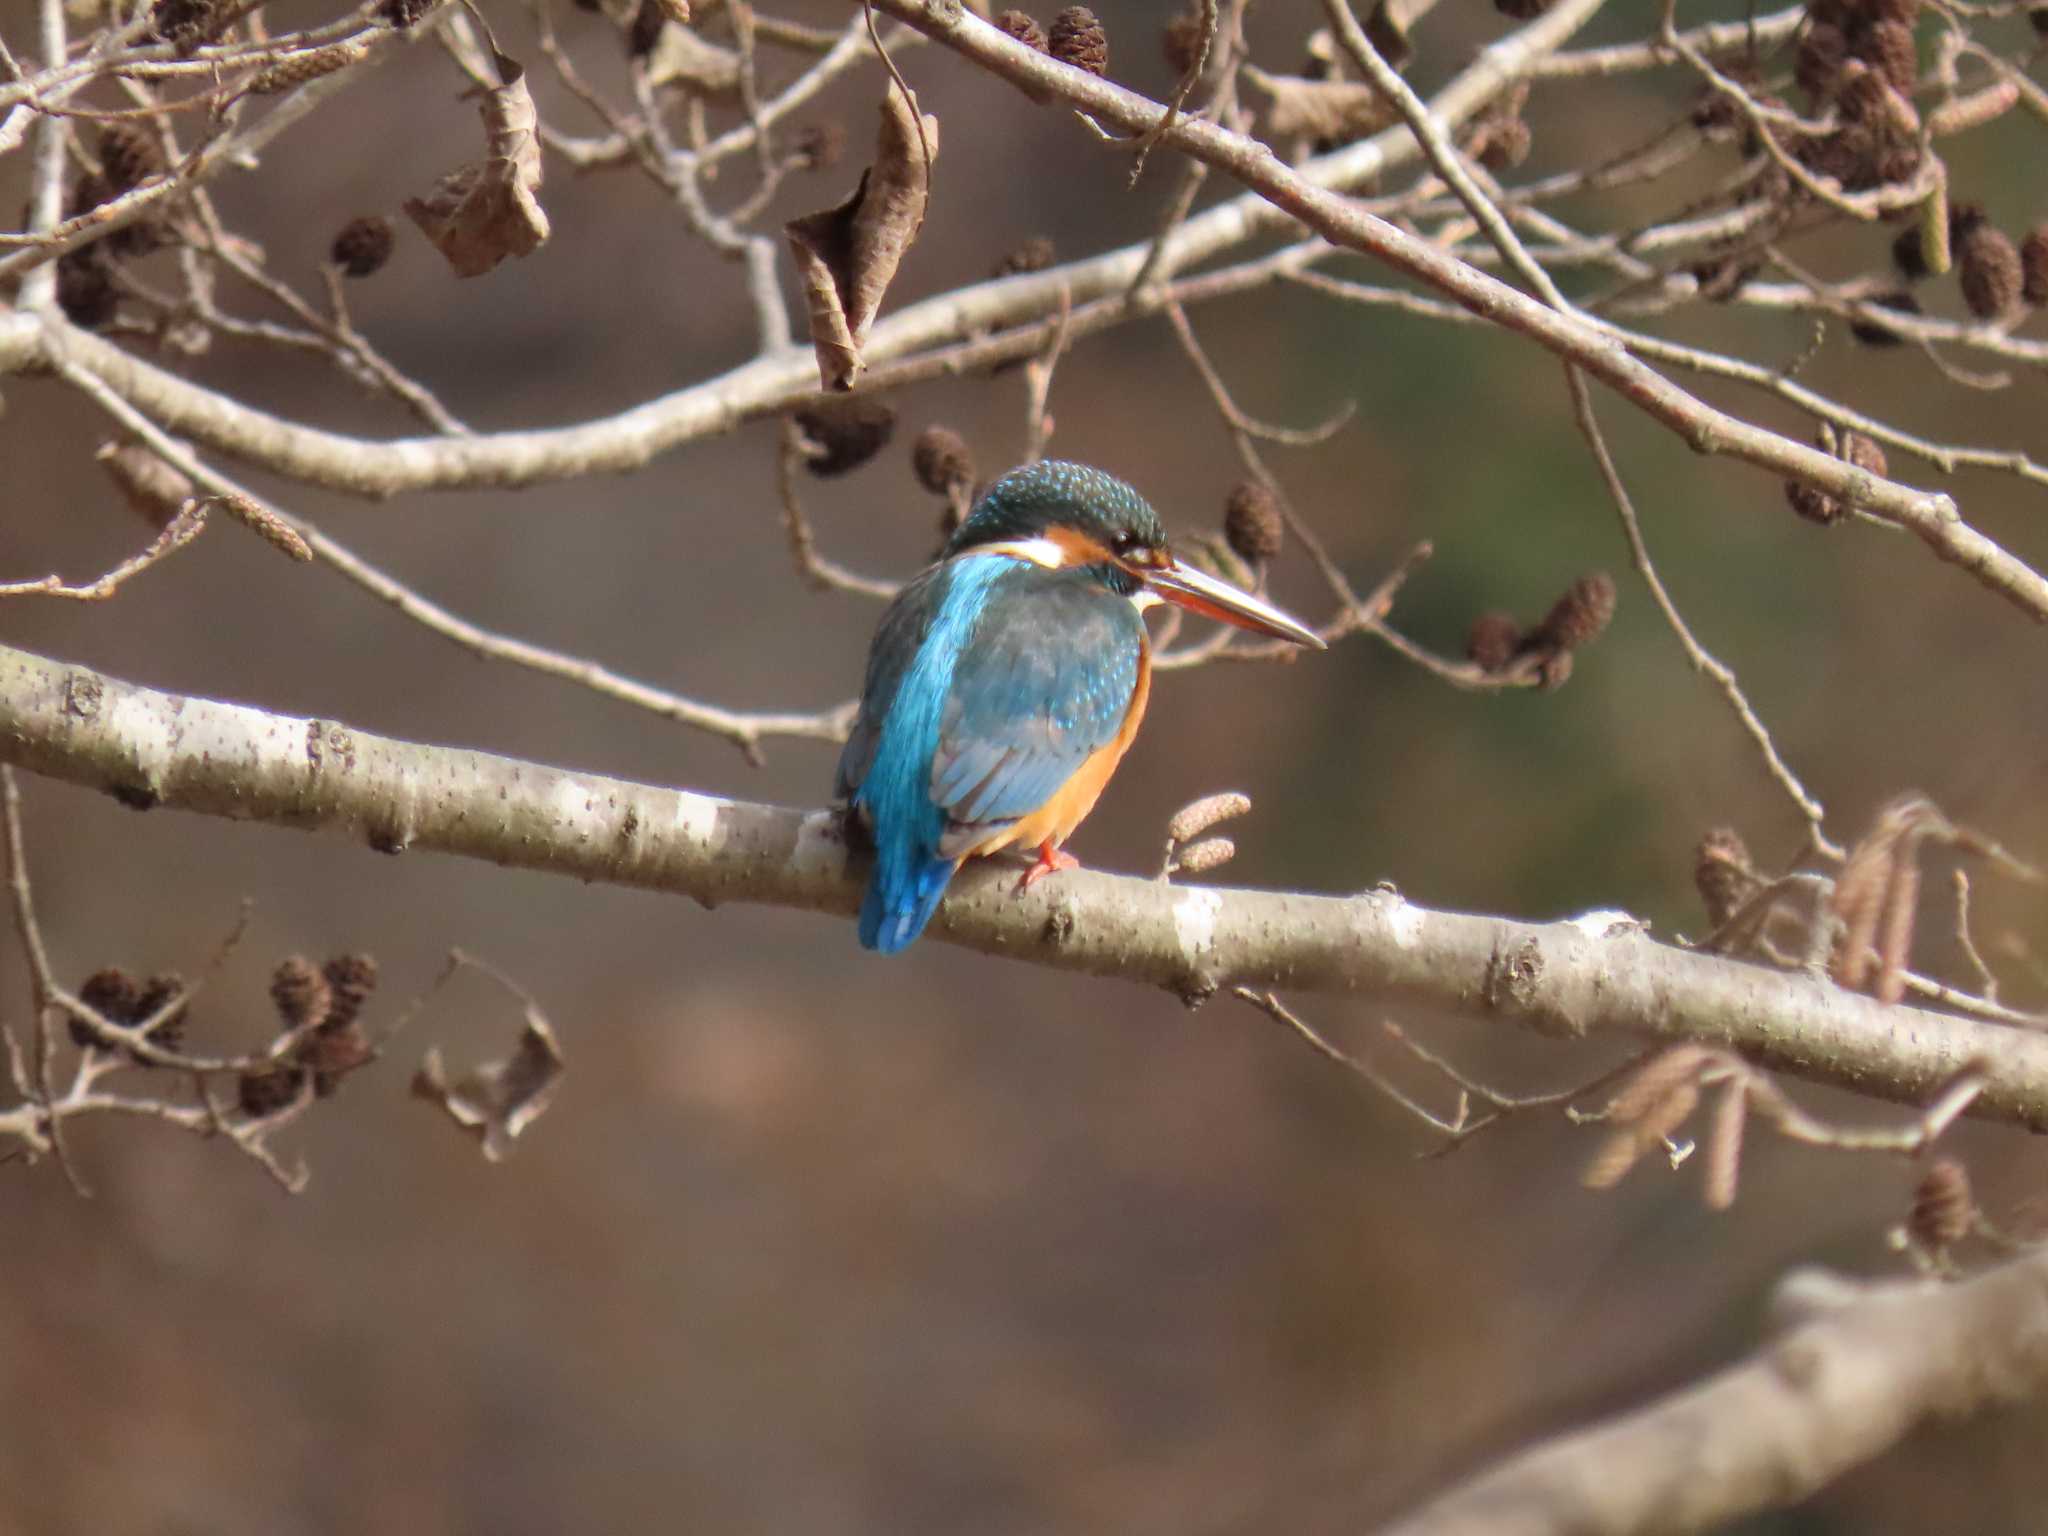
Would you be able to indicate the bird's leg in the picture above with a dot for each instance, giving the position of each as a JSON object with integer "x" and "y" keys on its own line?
{"x": 1051, "y": 858}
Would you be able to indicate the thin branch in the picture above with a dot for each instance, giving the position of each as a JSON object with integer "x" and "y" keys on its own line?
{"x": 1705, "y": 663}
{"x": 180, "y": 531}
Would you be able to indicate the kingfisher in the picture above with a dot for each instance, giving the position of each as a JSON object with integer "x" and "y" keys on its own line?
{"x": 1006, "y": 682}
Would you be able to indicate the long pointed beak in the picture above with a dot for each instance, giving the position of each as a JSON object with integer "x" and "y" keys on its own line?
{"x": 1198, "y": 592}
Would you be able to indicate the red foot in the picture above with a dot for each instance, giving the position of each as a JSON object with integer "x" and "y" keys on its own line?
{"x": 1050, "y": 860}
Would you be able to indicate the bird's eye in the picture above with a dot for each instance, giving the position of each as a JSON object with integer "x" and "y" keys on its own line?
{"x": 1123, "y": 542}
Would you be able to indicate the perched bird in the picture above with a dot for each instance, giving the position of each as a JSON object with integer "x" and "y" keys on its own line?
{"x": 1005, "y": 683}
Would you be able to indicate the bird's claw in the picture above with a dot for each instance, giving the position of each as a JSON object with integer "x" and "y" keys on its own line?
{"x": 1050, "y": 860}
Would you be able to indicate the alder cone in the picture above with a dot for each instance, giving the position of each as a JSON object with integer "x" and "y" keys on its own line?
{"x": 1988, "y": 267}
{"x": 2034, "y": 265}
{"x": 1077, "y": 38}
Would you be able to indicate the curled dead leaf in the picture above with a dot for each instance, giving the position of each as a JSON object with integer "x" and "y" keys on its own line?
{"x": 499, "y": 1099}
{"x": 480, "y": 214}
{"x": 846, "y": 256}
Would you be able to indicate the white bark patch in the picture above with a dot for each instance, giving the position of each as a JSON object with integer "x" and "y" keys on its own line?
{"x": 820, "y": 851}
{"x": 697, "y": 820}
{"x": 1404, "y": 923}
{"x": 577, "y": 812}
{"x": 1607, "y": 924}
{"x": 143, "y": 730}
{"x": 1194, "y": 923}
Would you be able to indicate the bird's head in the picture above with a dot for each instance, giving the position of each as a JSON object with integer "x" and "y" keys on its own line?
{"x": 1060, "y": 515}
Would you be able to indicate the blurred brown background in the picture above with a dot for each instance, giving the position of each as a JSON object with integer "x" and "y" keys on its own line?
{"x": 811, "y": 1242}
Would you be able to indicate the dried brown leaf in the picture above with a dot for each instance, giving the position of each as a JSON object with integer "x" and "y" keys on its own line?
{"x": 487, "y": 210}
{"x": 846, "y": 256}
{"x": 500, "y": 1099}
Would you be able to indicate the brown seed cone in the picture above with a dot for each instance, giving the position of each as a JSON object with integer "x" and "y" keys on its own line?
{"x": 405, "y": 13}
{"x": 1865, "y": 453}
{"x": 1818, "y": 64}
{"x": 263, "y": 1094}
{"x": 1022, "y": 27}
{"x": 351, "y": 978}
{"x": 1077, "y": 38}
{"x": 1909, "y": 255}
{"x": 1181, "y": 42}
{"x": 1943, "y": 1211}
{"x": 187, "y": 24}
{"x": 1034, "y": 255}
{"x": 1522, "y": 10}
{"x": 820, "y": 145}
{"x": 1888, "y": 48}
{"x": 1507, "y": 145}
{"x": 156, "y": 992}
{"x": 1812, "y": 503}
{"x": 1870, "y": 100}
{"x": 1252, "y": 524}
{"x": 112, "y": 994}
{"x": 1493, "y": 639}
{"x": 1578, "y": 617}
{"x": 1903, "y": 13}
{"x": 300, "y": 993}
{"x": 2037, "y": 18}
{"x": 1554, "y": 670}
{"x": 645, "y": 30}
{"x": 363, "y": 246}
{"x": 847, "y": 433}
{"x": 129, "y": 153}
{"x": 2034, "y": 265}
{"x": 1988, "y": 266}
{"x": 1723, "y": 874}
{"x": 1871, "y": 334}
{"x": 942, "y": 460}
{"x": 85, "y": 289}
{"x": 334, "y": 1053}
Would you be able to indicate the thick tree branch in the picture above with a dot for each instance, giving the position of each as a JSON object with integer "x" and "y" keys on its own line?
{"x": 1598, "y": 975}
{"x": 1863, "y": 1368}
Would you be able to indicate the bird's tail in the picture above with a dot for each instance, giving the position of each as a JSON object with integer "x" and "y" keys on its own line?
{"x": 903, "y": 892}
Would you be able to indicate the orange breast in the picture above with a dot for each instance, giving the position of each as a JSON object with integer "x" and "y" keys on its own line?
{"x": 1069, "y": 805}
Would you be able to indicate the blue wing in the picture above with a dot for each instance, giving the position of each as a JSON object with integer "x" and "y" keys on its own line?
{"x": 990, "y": 684}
